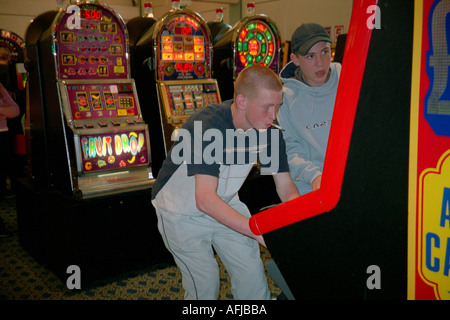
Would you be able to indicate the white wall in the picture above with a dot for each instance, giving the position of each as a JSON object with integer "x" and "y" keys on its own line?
{"x": 15, "y": 15}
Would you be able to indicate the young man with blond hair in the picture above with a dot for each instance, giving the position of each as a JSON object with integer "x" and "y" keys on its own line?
{"x": 197, "y": 202}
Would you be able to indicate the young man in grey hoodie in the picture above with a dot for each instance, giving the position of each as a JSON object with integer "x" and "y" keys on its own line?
{"x": 310, "y": 86}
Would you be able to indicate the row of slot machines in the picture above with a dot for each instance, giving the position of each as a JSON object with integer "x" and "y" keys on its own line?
{"x": 105, "y": 97}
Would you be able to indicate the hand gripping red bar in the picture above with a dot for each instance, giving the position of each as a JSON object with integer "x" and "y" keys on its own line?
{"x": 327, "y": 197}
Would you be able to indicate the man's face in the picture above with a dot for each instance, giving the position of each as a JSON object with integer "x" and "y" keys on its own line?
{"x": 316, "y": 64}
{"x": 262, "y": 110}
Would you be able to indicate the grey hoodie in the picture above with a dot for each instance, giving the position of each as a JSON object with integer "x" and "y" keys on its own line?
{"x": 306, "y": 116}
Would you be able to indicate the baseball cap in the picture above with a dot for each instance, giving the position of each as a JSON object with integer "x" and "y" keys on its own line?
{"x": 307, "y": 35}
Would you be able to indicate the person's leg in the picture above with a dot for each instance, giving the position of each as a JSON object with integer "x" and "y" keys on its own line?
{"x": 241, "y": 257}
{"x": 190, "y": 244}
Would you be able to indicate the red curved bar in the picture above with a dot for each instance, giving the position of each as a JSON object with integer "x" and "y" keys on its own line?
{"x": 327, "y": 197}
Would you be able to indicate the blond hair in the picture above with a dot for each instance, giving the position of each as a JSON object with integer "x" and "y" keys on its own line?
{"x": 256, "y": 77}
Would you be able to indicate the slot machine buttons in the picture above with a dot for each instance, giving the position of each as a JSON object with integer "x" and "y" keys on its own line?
{"x": 126, "y": 102}
{"x": 115, "y": 123}
{"x": 130, "y": 122}
{"x": 89, "y": 125}
{"x": 121, "y": 112}
{"x": 102, "y": 124}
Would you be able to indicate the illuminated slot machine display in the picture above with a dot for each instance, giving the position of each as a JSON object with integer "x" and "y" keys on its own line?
{"x": 254, "y": 40}
{"x": 181, "y": 62}
{"x": 107, "y": 142}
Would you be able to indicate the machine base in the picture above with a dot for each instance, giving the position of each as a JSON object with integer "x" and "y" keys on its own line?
{"x": 102, "y": 236}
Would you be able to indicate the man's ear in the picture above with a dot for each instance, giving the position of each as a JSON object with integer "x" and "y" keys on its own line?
{"x": 241, "y": 102}
{"x": 294, "y": 59}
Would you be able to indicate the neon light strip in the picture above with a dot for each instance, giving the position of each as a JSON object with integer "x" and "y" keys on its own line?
{"x": 327, "y": 197}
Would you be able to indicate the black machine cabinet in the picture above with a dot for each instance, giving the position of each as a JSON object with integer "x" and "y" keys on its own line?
{"x": 328, "y": 256}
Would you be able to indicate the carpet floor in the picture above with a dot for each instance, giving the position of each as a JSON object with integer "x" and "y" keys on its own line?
{"x": 22, "y": 278}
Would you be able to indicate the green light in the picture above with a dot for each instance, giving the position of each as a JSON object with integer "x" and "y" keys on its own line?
{"x": 260, "y": 36}
{"x": 268, "y": 35}
{"x": 240, "y": 46}
{"x": 251, "y": 26}
{"x": 250, "y": 35}
{"x": 245, "y": 46}
{"x": 267, "y": 61}
{"x": 249, "y": 57}
{"x": 263, "y": 48}
{"x": 258, "y": 58}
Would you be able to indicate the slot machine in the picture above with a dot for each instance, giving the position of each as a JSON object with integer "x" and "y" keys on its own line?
{"x": 88, "y": 199}
{"x": 97, "y": 140}
{"x": 179, "y": 56}
{"x": 253, "y": 40}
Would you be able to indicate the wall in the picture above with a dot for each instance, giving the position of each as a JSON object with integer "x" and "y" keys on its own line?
{"x": 15, "y": 15}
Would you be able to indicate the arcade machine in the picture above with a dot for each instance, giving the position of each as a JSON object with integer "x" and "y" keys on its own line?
{"x": 253, "y": 40}
{"x": 91, "y": 161}
{"x": 348, "y": 239}
{"x": 217, "y": 27}
{"x": 178, "y": 53}
{"x": 14, "y": 77}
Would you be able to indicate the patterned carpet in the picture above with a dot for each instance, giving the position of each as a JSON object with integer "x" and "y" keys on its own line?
{"x": 22, "y": 278}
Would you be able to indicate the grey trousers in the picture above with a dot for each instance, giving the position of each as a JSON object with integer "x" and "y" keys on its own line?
{"x": 190, "y": 240}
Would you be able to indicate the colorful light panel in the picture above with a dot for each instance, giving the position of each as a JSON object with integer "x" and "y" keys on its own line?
{"x": 256, "y": 44}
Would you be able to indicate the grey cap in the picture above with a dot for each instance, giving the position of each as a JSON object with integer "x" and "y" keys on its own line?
{"x": 306, "y": 36}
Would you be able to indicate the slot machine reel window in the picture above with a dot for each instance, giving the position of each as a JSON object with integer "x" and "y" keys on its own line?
{"x": 256, "y": 44}
{"x": 100, "y": 100}
{"x": 182, "y": 47}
